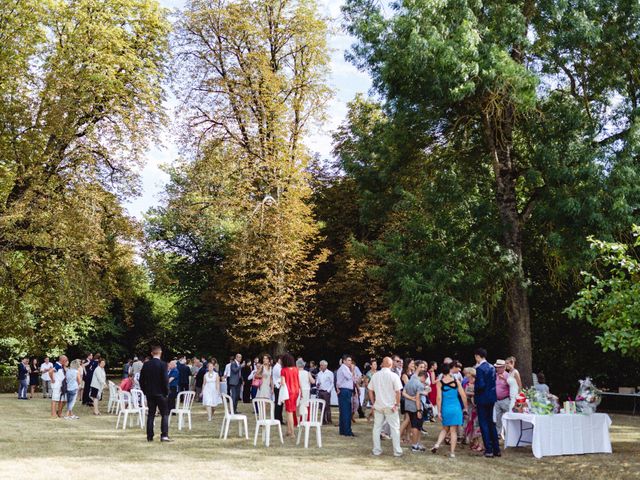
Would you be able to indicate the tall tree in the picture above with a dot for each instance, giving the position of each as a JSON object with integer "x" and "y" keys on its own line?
{"x": 80, "y": 82}
{"x": 538, "y": 97}
{"x": 254, "y": 78}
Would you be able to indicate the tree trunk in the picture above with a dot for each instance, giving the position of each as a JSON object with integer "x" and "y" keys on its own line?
{"x": 280, "y": 347}
{"x": 497, "y": 130}
{"x": 519, "y": 328}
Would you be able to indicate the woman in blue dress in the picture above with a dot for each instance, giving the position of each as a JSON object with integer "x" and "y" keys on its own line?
{"x": 451, "y": 402}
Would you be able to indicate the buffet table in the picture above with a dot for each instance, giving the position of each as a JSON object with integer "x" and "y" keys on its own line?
{"x": 562, "y": 434}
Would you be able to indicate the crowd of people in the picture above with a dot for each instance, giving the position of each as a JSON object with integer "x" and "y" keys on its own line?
{"x": 64, "y": 383}
{"x": 402, "y": 394}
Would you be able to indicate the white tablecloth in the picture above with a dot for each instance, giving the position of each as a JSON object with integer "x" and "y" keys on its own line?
{"x": 558, "y": 434}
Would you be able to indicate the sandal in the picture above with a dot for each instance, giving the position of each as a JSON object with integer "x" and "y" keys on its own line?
{"x": 435, "y": 448}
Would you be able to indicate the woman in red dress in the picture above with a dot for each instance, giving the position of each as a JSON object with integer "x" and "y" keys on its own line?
{"x": 290, "y": 378}
{"x": 433, "y": 394}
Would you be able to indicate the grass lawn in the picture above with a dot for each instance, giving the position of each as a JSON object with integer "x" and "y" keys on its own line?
{"x": 33, "y": 447}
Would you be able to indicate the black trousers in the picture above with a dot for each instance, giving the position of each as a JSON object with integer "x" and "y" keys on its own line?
{"x": 278, "y": 409}
{"x": 86, "y": 398}
{"x": 173, "y": 394}
{"x": 161, "y": 403}
{"x": 326, "y": 396}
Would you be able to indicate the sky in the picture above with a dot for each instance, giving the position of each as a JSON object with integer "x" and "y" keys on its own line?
{"x": 345, "y": 80}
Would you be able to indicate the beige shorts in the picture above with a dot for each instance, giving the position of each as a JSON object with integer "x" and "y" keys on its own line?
{"x": 56, "y": 396}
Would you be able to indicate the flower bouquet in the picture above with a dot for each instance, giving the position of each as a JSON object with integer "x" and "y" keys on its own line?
{"x": 521, "y": 404}
{"x": 539, "y": 403}
{"x": 588, "y": 397}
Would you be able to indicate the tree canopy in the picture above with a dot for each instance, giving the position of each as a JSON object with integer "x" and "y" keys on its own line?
{"x": 461, "y": 205}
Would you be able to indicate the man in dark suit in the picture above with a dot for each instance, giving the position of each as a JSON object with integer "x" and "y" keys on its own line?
{"x": 89, "y": 365}
{"x": 154, "y": 382}
{"x": 485, "y": 398}
{"x": 185, "y": 373}
{"x": 200, "y": 379}
{"x": 235, "y": 380}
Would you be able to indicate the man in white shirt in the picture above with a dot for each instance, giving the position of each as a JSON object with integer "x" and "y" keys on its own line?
{"x": 324, "y": 384}
{"x": 44, "y": 376}
{"x": 384, "y": 393}
{"x": 276, "y": 377}
{"x": 227, "y": 369}
{"x": 344, "y": 389}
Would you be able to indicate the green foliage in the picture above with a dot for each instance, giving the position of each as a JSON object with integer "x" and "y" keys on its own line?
{"x": 505, "y": 135}
{"x": 80, "y": 82}
{"x": 610, "y": 299}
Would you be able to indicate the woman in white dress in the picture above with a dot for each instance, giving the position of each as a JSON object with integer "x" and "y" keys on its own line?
{"x": 211, "y": 388}
{"x": 306, "y": 379}
{"x": 266, "y": 387}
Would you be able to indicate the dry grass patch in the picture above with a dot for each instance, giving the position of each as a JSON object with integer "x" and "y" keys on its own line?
{"x": 33, "y": 447}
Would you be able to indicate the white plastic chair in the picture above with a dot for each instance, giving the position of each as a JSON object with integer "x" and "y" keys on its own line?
{"x": 264, "y": 409}
{"x": 140, "y": 400}
{"x": 231, "y": 416}
{"x": 112, "y": 404}
{"x": 128, "y": 406}
{"x": 184, "y": 401}
{"x": 314, "y": 419}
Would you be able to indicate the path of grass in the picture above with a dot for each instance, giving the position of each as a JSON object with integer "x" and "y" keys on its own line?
{"x": 33, "y": 447}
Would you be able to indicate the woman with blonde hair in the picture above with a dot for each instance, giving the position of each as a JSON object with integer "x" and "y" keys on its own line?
{"x": 305, "y": 379}
{"x": 211, "y": 388}
{"x": 472, "y": 434}
{"x": 511, "y": 368}
{"x": 74, "y": 379}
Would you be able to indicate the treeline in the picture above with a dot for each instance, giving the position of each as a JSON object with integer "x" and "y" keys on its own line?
{"x": 456, "y": 210}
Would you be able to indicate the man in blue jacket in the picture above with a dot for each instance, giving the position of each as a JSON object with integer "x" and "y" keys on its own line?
{"x": 485, "y": 398}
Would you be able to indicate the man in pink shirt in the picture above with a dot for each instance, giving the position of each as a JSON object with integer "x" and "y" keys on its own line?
{"x": 502, "y": 393}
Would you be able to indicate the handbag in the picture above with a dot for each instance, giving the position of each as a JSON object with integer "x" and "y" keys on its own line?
{"x": 283, "y": 394}
{"x": 256, "y": 382}
{"x": 63, "y": 385}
